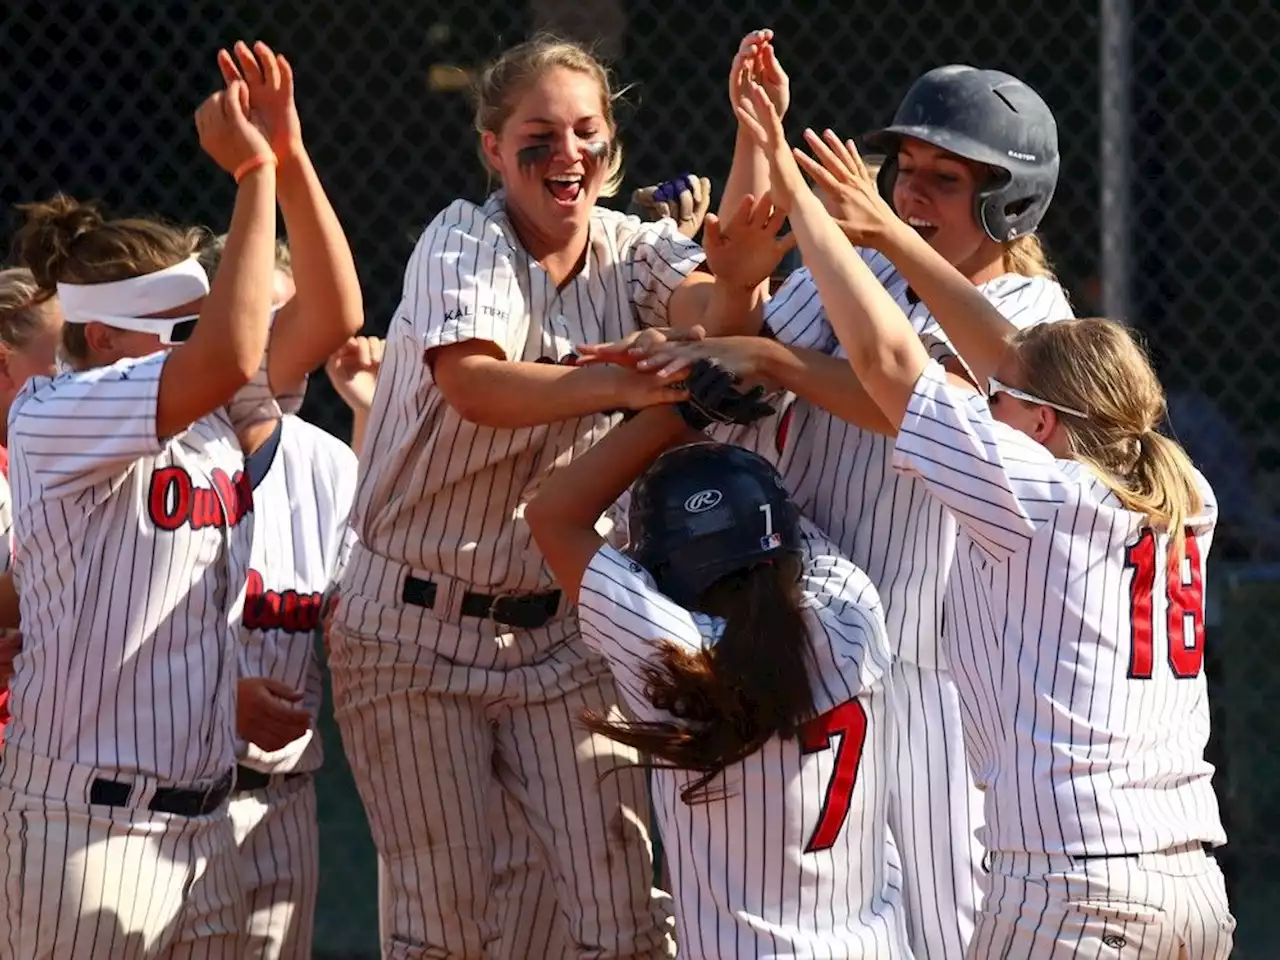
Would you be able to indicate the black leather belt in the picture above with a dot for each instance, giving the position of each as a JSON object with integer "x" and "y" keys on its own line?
{"x": 179, "y": 801}
{"x": 527, "y": 612}
{"x": 249, "y": 779}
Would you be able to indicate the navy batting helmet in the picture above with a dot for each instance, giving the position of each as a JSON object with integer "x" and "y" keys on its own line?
{"x": 706, "y": 510}
{"x": 990, "y": 118}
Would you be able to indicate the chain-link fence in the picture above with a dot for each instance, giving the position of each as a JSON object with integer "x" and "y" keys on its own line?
{"x": 1170, "y": 106}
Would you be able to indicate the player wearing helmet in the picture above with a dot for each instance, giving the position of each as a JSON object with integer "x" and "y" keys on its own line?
{"x": 752, "y": 656}
{"x": 971, "y": 165}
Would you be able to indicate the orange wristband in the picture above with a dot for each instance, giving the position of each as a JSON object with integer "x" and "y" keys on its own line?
{"x": 253, "y": 163}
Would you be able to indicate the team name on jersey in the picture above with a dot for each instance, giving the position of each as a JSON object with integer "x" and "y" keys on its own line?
{"x": 175, "y": 500}
{"x": 285, "y": 610}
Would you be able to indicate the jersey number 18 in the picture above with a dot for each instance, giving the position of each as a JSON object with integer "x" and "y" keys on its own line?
{"x": 1184, "y": 594}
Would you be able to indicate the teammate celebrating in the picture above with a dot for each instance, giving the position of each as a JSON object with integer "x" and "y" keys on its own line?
{"x": 757, "y": 677}
{"x": 29, "y": 329}
{"x": 449, "y": 629}
{"x": 1076, "y": 607}
{"x": 132, "y": 552}
{"x": 972, "y": 165}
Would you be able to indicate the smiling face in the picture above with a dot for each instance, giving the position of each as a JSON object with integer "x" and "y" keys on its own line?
{"x": 934, "y": 192}
{"x": 553, "y": 153}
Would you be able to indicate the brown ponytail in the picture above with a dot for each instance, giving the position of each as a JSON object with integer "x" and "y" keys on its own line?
{"x": 734, "y": 696}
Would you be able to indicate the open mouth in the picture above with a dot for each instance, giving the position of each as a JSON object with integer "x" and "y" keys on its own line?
{"x": 926, "y": 228}
{"x": 565, "y": 189}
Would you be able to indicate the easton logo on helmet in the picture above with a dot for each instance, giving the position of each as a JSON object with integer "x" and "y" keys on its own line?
{"x": 702, "y": 501}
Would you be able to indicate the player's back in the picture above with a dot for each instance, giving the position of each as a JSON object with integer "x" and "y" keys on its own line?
{"x": 1077, "y": 646}
{"x": 842, "y": 476}
{"x": 792, "y": 856}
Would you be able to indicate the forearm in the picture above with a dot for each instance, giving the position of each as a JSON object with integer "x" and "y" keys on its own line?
{"x": 824, "y": 381}
{"x": 513, "y": 394}
{"x": 577, "y": 494}
{"x": 748, "y": 176}
{"x": 233, "y": 319}
{"x": 359, "y": 426}
{"x": 882, "y": 347}
{"x": 721, "y": 309}
{"x": 328, "y": 294}
{"x": 977, "y": 330}
{"x": 9, "y": 615}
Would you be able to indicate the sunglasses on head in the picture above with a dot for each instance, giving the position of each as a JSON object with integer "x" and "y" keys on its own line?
{"x": 995, "y": 386}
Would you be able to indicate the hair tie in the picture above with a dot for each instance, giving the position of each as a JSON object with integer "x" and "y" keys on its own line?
{"x": 252, "y": 164}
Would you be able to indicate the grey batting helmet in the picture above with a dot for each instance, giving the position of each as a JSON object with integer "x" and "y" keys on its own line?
{"x": 988, "y": 117}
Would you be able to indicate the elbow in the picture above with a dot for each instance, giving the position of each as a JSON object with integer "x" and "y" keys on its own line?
{"x": 472, "y": 406}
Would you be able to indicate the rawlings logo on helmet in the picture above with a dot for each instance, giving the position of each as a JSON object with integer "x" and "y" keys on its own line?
{"x": 703, "y": 501}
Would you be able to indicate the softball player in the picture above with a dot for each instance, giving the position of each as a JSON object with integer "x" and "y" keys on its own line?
{"x": 29, "y": 330}
{"x": 1077, "y": 604}
{"x": 449, "y": 629}
{"x": 132, "y": 551}
{"x": 954, "y": 128}
{"x": 755, "y": 661}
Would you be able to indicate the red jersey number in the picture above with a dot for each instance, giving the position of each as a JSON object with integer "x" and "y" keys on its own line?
{"x": 1184, "y": 594}
{"x": 848, "y": 722}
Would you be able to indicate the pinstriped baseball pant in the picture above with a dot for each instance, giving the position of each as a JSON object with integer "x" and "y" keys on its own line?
{"x": 934, "y": 813}
{"x": 430, "y": 739}
{"x": 278, "y": 841}
{"x": 84, "y": 882}
{"x": 1157, "y": 906}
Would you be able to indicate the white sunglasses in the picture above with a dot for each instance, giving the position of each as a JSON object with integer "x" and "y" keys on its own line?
{"x": 995, "y": 386}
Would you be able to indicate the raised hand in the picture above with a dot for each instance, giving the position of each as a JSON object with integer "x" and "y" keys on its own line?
{"x": 747, "y": 249}
{"x": 758, "y": 116}
{"x": 226, "y": 133}
{"x": 685, "y": 200}
{"x": 353, "y": 370}
{"x": 269, "y": 80}
{"x": 757, "y": 62}
{"x": 849, "y": 190}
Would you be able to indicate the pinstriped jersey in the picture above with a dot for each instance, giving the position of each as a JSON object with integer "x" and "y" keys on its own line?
{"x": 300, "y": 540}
{"x": 796, "y": 859}
{"x": 1077, "y": 646}
{"x": 133, "y": 554}
{"x": 447, "y": 496}
{"x": 841, "y": 476}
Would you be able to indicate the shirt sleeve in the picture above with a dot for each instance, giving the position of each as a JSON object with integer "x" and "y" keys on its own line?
{"x": 795, "y": 318}
{"x": 462, "y": 284}
{"x": 80, "y": 428}
{"x": 998, "y": 483}
{"x": 658, "y": 259}
{"x": 624, "y": 618}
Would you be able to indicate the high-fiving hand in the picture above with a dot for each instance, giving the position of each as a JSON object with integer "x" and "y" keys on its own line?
{"x": 757, "y": 62}
{"x": 850, "y": 193}
{"x": 269, "y": 80}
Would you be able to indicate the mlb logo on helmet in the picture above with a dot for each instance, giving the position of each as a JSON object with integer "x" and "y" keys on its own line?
{"x": 702, "y": 501}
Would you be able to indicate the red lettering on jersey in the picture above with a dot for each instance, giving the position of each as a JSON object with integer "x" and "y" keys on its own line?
{"x": 175, "y": 501}
{"x": 286, "y": 610}
{"x": 849, "y": 722}
{"x": 1185, "y": 602}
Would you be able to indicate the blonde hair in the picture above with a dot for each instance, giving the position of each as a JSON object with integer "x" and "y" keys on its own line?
{"x": 502, "y": 83}
{"x": 25, "y": 309}
{"x": 66, "y": 241}
{"x": 1025, "y": 256}
{"x": 1097, "y": 367}
{"x": 212, "y": 248}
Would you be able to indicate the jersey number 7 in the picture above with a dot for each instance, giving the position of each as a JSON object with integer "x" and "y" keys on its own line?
{"x": 849, "y": 722}
{"x": 1184, "y": 595}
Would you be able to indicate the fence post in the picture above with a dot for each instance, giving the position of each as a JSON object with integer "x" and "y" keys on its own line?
{"x": 1115, "y": 270}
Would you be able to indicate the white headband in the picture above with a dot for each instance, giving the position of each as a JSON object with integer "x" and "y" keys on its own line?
{"x": 125, "y": 303}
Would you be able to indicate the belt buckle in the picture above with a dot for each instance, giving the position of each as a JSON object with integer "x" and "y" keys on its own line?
{"x": 512, "y": 610}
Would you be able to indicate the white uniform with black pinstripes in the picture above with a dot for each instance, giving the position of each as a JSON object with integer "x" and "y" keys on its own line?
{"x": 1078, "y": 653}
{"x": 132, "y": 554}
{"x": 841, "y": 477}
{"x": 441, "y": 499}
{"x": 796, "y": 861}
{"x": 301, "y": 536}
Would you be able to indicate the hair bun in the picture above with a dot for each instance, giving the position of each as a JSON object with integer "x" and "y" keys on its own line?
{"x": 43, "y": 243}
